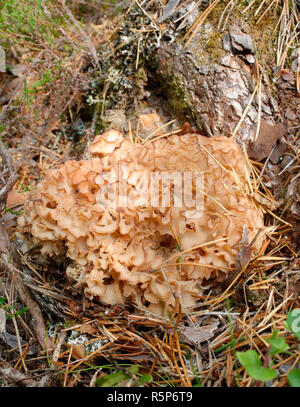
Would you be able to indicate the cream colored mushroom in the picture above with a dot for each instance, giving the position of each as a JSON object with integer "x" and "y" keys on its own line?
{"x": 143, "y": 252}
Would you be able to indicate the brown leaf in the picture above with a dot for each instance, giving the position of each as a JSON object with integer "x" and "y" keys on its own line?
{"x": 78, "y": 351}
{"x": 194, "y": 335}
{"x": 266, "y": 140}
{"x": 278, "y": 152}
{"x": 15, "y": 198}
{"x": 87, "y": 329}
{"x": 244, "y": 254}
{"x": 14, "y": 376}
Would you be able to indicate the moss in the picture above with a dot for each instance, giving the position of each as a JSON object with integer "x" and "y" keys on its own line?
{"x": 262, "y": 33}
{"x": 207, "y": 46}
{"x": 178, "y": 98}
{"x": 173, "y": 89}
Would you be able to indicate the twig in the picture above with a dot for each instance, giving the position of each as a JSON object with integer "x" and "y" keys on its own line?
{"x": 13, "y": 175}
{"x": 85, "y": 37}
{"x": 34, "y": 309}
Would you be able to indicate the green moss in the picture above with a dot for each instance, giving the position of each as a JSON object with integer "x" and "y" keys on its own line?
{"x": 172, "y": 87}
{"x": 207, "y": 45}
{"x": 28, "y": 21}
{"x": 262, "y": 32}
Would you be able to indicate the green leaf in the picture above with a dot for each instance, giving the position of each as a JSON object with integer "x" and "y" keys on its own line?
{"x": 294, "y": 378}
{"x": 261, "y": 373}
{"x": 278, "y": 345}
{"x": 146, "y": 378}
{"x": 253, "y": 366}
{"x": 293, "y": 321}
{"x": 249, "y": 358}
{"x": 133, "y": 369}
{"x": 112, "y": 380}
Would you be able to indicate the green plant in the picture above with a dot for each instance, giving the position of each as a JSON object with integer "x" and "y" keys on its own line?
{"x": 117, "y": 379}
{"x": 253, "y": 366}
{"x": 23, "y": 188}
{"x": 294, "y": 378}
{"x": 10, "y": 309}
{"x": 278, "y": 345}
{"x": 29, "y": 20}
{"x": 251, "y": 362}
{"x": 13, "y": 312}
{"x": 2, "y": 127}
{"x": 14, "y": 212}
{"x": 41, "y": 85}
{"x": 47, "y": 78}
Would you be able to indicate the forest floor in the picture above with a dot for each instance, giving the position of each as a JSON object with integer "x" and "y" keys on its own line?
{"x": 57, "y": 91}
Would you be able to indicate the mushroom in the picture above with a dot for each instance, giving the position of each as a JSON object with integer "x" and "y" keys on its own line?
{"x": 109, "y": 216}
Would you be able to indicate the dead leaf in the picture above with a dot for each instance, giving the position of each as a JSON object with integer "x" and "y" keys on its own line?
{"x": 9, "y": 339}
{"x": 288, "y": 76}
{"x": 15, "y": 198}
{"x": 78, "y": 351}
{"x": 268, "y": 136}
{"x": 12, "y": 342}
{"x": 244, "y": 254}
{"x": 194, "y": 335}
{"x": 278, "y": 152}
{"x": 87, "y": 329}
{"x": 14, "y": 376}
{"x": 267, "y": 203}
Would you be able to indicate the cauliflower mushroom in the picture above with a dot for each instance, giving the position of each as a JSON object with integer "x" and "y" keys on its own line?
{"x": 145, "y": 252}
